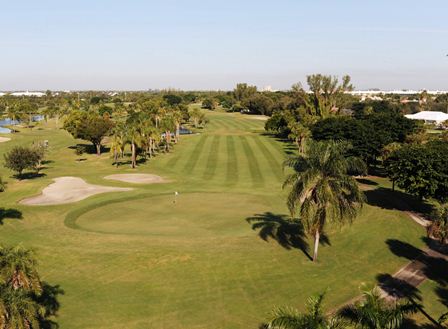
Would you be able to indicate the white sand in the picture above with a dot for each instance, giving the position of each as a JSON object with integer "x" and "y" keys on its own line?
{"x": 4, "y": 139}
{"x": 137, "y": 178}
{"x": 68, "y": 190}
{"x": 258, "y": 117}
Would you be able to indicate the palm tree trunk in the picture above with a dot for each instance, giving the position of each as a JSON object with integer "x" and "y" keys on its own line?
{"x": 133, "y": 156}
{"x": 316, "y": 245}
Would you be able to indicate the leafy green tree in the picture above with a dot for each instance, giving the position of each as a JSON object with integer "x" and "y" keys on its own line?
{"x": 88, "y": 126}
{"x": 421, "y": 170}
{"x": 321, "y": 189}
{"x": 373, "y": 312}
{"x": 368, "y": 134}
{"x": 172, "y": 99}
{"x": 20, "y": 158}
{"x": 258, "y": 104}
{"x": 314, "y": 318}
{"x": 243, "y": 91}
{"x": 439, "y": 225}
{"x": 209, "y": 104}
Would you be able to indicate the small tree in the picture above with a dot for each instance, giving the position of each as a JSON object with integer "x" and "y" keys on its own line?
{"x": 21, "y": 158}
{"x": 88, "y": 126}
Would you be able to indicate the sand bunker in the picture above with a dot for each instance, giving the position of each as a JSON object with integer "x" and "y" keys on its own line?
{"x": 68, "y": 190}
{"x": 137, "y": 178}
{"x": 4, "y": 139}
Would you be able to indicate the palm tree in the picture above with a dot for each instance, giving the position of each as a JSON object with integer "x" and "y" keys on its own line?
{"x": 322, "y": 188}
{"x": 167, "y": 124}
{"x": 117, "y": 144}
{"x": 18, "y": 310}
{"x": 18, "y": 269}
{"x": 373, "y": 312}
{"x": 299, "y": 133}
{"x": 314, "y": 318}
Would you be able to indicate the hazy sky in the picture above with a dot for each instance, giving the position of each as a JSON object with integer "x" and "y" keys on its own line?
{"x": 191, "y": 44}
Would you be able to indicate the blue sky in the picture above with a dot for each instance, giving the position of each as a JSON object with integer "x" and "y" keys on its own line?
{"x": 191, "y": 44}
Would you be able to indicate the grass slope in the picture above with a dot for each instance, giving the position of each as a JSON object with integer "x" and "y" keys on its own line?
{"x": 137, "y": 260}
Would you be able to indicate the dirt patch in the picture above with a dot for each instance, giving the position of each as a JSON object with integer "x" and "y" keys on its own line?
{"x": 137, "y": 178}
{"x": 4, "y": 139}
{"x": 68, "y": 190}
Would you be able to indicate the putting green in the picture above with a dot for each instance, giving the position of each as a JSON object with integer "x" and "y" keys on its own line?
{"x": 192, "y": 215}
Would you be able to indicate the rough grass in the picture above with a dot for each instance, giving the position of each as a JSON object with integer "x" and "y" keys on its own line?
{"x": 137, "y": 260}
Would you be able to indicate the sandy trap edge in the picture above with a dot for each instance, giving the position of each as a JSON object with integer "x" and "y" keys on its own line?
{"x": 137, "y": 178}
{"x": 4, "y": 139}
{"x": 68, "y": 190}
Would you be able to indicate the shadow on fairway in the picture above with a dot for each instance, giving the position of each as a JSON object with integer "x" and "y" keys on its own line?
{"x": 366, "y": 181}
{"x": 397, "y": 287}
{"x": 30, "y": 175}
{"x": 434, "y": 268}
{"x": 49, "y": 300}
{"x": 395, "y": 200}
{"x": 288, "y": 234}
{"x": 9, "y": 214}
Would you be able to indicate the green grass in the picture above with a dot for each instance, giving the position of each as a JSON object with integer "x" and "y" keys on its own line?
{"x": 137, "y": 260}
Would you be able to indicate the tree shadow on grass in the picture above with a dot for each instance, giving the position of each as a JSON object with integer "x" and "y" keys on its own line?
{"x": 398, "y": 288}
{"x": 49, "y": 300}
{"x": 90, "y": 148}
{"x": 30, "y": 175}
{"x": 435, "y": 268}
{"x": 288, "y": 234}
{"x": 366, "y": 181}
{"x": 395, "y": 200}
{"x": 432, "y": 266}
{"x": 9, "y": 213}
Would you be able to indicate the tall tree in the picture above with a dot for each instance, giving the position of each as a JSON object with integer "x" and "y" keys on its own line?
{"x": 326, "y": 91}
{"x": 322, "y": 191}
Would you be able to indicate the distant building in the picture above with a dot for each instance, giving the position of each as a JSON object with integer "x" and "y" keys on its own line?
{"x": 396, "y": 92}
{"x": 429, "y": 117}
{"x": 28, "y": 93}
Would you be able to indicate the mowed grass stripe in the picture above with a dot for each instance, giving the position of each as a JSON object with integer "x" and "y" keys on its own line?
{"x": 194, "y": 157}
{"x": 220, "y": 123}
{"x": 212, "y": 159}
{"x": 276, "y": 146}
{"x": 254, "y": 167}
{"x": 232, "y": 162}
{"x": 275, "y": 166}
{"x": 174, "y": 158}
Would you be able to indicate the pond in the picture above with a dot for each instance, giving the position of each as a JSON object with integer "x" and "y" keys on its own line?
{"x": 9, "y": 122}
